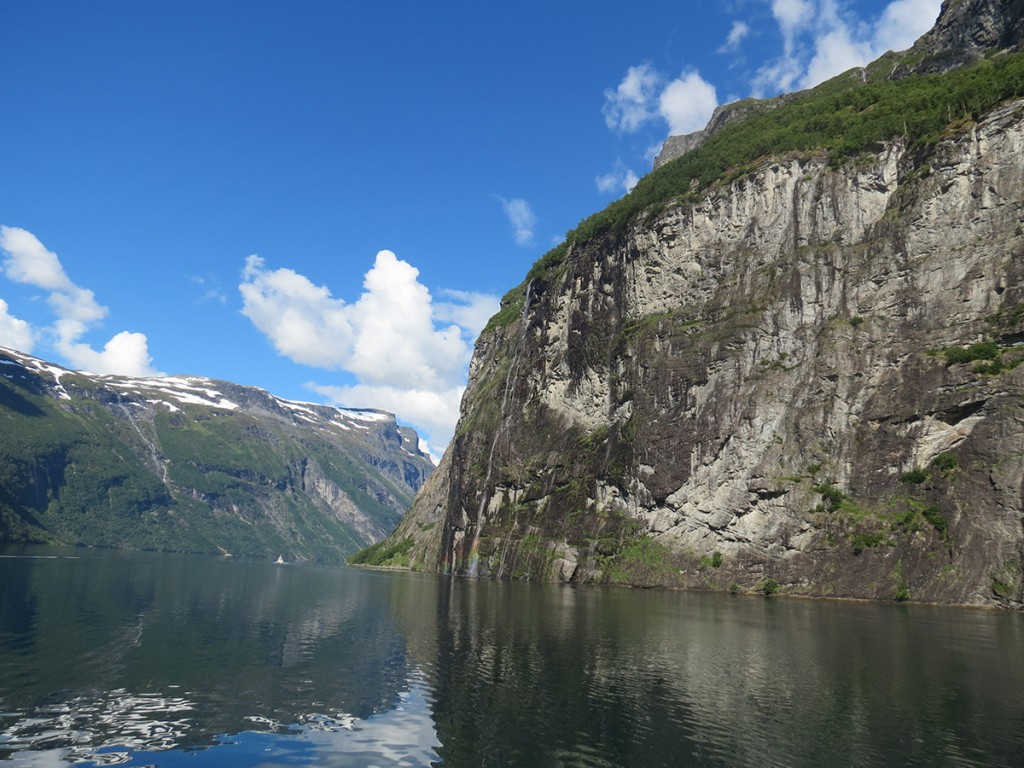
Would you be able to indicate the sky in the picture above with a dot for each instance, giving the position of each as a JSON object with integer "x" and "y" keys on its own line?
{"x": 327, "y": 199}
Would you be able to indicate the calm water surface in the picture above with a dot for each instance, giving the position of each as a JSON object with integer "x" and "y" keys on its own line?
{"x": 163, "y": 660}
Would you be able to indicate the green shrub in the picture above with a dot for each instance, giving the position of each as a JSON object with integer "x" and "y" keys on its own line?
{"x": 991, "y": 367}
{"x": 931, "y": 513}
{"x": 770, "y": 586}
{"x": 867, "y": 540}
{"x": 946, "y": 463}
{"x": 983, "y": 350}
{"x": 714, "y": 560}
{"x": 916, "y": 476}
{"x": 832, "y": 496}
{"x": 384, "y": 553}
{"x": 1001, "y": 588}
{"x": 639, "y": 561}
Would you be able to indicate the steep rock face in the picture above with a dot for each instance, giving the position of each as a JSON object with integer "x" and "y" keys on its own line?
{"x": 187, "y": 463}
{"x": 966, "y": 31}
{"x": 772, "y": 388}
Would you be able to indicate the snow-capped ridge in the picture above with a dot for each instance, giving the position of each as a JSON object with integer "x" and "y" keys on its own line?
{"x": 173, "y": 392}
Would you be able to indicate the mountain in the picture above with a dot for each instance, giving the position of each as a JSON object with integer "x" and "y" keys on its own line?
{"x": 192, "y": 464}
{"x": 787, "y": 361}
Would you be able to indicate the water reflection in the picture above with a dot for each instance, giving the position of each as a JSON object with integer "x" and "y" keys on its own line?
{"x": 163, "y": 660}
{"x": 542, "y": 675}
{"x": 109, "y": 656}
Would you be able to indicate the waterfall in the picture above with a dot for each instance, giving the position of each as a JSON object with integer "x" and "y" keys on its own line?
{"x": 473, "y": 553}
{"x": 153, "y": 452}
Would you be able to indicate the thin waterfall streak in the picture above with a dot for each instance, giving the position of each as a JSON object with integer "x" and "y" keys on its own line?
{"x": 474, "y": 557}
{"x": 149, "y": 443}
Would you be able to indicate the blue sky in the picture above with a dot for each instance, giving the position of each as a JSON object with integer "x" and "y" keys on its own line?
{"x": 326, "y": 199}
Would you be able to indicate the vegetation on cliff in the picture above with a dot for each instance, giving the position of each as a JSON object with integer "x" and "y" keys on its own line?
{"x": 844, "y": 117}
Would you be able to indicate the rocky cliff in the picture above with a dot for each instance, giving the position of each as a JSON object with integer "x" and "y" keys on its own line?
{"x": 800, "y": 376}
{"x": 192, "y": 464}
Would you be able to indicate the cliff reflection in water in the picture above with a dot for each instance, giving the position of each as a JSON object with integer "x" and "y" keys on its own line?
{"x": 148, "y": 660}
{"x": 531, "y": 674}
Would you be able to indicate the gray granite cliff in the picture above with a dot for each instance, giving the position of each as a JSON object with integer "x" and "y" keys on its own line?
{"x": 805, "y": 381}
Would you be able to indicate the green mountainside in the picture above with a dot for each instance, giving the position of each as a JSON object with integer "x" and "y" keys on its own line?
{"x": 190, "y": 464}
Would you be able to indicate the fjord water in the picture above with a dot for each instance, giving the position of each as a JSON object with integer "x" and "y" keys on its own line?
{"x": 167, "y": 660}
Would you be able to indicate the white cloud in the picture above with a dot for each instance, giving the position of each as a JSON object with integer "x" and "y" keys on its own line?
{"x": 29, "y": 262}
{"x": 821, "y": 39}
{"x": 125, "y": 354}
{"x": 737, "y": 34}
{"x": 778, "y": 76}
{"x": 631, "y": 104}
{"x": 469, "y": 310}
{"x": 15, "y": 333}
{"x": 620, "y": 179}
{"x": 408, "y": 353}
{"x": 434, "y": 413}
{"x": 687, "y": 103}
{"x": 792, "y": 15}
{"x": 522, "y": 219}
{"x": 902, "y": 22}
{"x": 835, "y": 52}
{"x": 302, "y": 320}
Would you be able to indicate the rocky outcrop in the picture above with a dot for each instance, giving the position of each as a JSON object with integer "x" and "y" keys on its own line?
{"x": 802, "y": 377}
{"x": 806, "y": 381}
{"x": 966, "y": 32}
{"x": 726, "y": 114}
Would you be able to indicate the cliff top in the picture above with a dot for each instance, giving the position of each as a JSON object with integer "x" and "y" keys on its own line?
{"x": 965, "y": 33}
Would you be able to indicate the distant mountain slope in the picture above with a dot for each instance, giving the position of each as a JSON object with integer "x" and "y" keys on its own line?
{"x": 192, "y": 464}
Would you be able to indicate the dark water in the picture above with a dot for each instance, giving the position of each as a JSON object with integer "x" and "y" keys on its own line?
{"x": 172, "y": 661}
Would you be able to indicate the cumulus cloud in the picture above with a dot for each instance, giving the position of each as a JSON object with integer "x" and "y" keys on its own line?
{"x": 29, "y": 262}
{"x": 620, "y": 179}
{"x": 408, "y": 352}
{"x": 835, "y": 52}
{"x": 434, "y": 413}
{"x": 631, "y": 103}
{"x": 126, "y": 353}
{"x": 15, "y": 333}
{"x": 520, "y": 215}
{"x": 821, "y": 39}
{"x": 902, "y": 22}
{"x": 685, "y": 103}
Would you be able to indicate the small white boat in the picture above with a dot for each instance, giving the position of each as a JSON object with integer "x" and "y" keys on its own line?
{"x": 280, "y": 560}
